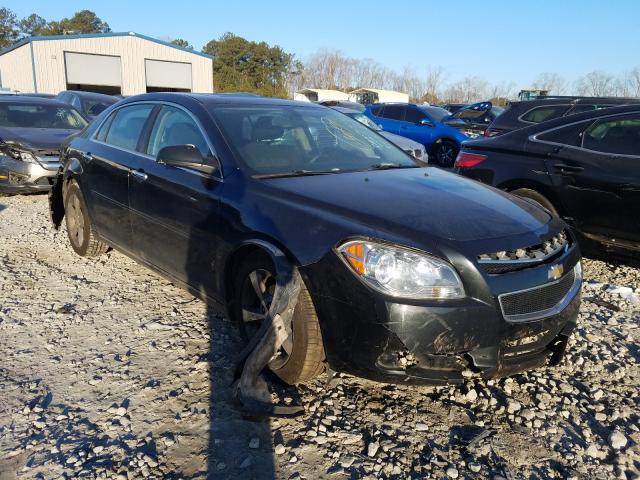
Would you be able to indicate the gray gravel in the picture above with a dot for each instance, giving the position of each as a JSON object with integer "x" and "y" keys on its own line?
{"x": 108, "y": 371}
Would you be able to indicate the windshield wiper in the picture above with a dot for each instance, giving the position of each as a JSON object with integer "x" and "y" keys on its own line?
{"x": 297, "y": 173}
{"x": 387, "y": 166}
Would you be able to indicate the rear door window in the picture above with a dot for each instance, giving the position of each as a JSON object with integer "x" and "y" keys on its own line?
{"x": 544, "y": 113}
{"x": 571, "y": 135}
{"x": 619, "y": 135}
{"x": 394, "y": 112}
{"x": 127, "y": 126}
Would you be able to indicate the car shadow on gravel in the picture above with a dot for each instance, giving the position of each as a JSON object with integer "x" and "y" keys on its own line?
{"x": 238, "y": 447}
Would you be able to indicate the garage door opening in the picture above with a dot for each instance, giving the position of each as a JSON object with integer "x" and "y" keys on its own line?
{"x": 93, "y": 73}
{"x": 95, "y": 88}
{"x": 166, "y": 89}
{"x": 164, "y": 76}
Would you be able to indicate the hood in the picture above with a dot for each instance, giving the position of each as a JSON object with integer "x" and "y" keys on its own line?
{"x": 416, "y": 203}
{"x": 35, "y": 138}
{"x": 402, "y": 142}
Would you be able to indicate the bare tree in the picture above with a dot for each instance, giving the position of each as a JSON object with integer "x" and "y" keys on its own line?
{"x": 552, "y": 82}
{"x": 630, "y": 83}
{"x": 468, "y": 90}
{"x": 596, "y": 84}
{"x": 409, "y": 82}
{"x": 433, "y": 83}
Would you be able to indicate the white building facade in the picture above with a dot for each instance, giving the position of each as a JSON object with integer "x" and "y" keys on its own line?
{"x": 112, "y": 63}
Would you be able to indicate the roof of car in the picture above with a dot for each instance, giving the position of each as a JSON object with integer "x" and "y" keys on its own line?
{"x": 85, "y": 94}
{"x": 573, "y": 100}
{"x": 27, "y": 100}
{"x": 578, "y": 117}
{"x": 209, "y": 99}
{"x": 346, "y": 110}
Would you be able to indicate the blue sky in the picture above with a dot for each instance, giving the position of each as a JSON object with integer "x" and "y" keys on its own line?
{"x": 498, "y": 40}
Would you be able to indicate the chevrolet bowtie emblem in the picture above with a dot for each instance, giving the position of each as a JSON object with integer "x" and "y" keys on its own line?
{"x": 555, "y": 272}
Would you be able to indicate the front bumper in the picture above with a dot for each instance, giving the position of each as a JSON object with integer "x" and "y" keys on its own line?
{"x": 376, "y": 337}
{"x": 17, "y": 176}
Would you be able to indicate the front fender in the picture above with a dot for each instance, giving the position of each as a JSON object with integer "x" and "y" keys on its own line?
{"x": 72, "y": 168}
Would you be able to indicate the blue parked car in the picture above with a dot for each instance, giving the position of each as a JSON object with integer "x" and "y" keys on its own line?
{"x": 424, "y": 124}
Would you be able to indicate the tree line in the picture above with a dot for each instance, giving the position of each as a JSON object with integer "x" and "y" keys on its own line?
{"x": 333, "y": 70}
{"x": 257, "y": 67}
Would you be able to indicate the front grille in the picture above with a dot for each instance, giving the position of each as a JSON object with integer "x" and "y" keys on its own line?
{"x": 540, "y": 301}
{"x": 521, "y": 258}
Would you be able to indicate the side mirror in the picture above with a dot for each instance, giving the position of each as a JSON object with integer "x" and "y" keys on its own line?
{"x": 185, "y": 156}
{"x": 425, "y": 122}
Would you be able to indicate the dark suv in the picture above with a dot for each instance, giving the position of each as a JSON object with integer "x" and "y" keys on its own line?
{"x": 524, "y": 114}
{"x": 408, "y": 273}
{"x": 584, "y": 167}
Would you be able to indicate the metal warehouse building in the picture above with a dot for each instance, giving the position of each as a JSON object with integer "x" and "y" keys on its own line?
{"x": 112, "y": 63}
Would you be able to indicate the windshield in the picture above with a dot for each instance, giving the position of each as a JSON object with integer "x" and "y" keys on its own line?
{"x": 96, "y": 107}
{"x": 271, "y": 140}
{"x": 366, "y": 121}
{"x": 25, "y": 115}
{"x": 436, "y": 113}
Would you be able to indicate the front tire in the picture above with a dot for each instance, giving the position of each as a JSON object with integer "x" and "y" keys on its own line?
{"x": 79, "y": 229}
{"x": 445, "y": 153}
{"x": 302, "y": 357}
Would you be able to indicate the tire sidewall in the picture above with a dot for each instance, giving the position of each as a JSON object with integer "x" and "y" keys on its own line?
{"x": 537, "y": 198}
{"x": 74, "y": 190}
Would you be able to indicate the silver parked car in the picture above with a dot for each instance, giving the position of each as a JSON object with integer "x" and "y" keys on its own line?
{"x": 32, "y": 130}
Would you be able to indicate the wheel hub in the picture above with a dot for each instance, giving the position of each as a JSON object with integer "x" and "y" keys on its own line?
{"x": 257, "y": 295}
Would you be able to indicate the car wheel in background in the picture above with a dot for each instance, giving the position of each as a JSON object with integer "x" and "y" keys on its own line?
{"x": 445, "y": 153}
{"x": 536, "y": 197}
{"x": 301, "y": 358}
{"x": 79, "y": 229}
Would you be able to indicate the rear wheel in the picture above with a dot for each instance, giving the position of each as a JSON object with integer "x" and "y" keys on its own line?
{"x": 445, "y": 153}
{"x": 301, "y": 357}
{"x": 79, "y": 229}
{"x": 536, "y": 197}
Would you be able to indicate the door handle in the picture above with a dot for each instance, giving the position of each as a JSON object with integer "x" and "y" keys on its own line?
{"x": 139, "y": 175}
{"x": 564, "y": 168}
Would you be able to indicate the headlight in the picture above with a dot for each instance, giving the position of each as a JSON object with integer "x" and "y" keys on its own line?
{"x": 28, "y": 157}
{"x": 401, "y": 272}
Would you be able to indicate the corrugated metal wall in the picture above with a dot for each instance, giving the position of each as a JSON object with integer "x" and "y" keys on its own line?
{"x": 16, "y": 71}
{"x": 50, "y": 68}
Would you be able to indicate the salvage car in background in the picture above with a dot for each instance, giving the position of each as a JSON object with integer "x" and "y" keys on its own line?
{"x": 476, "y": 118}
{"x": 414, "y": 149}
{"x": 421, "y": 123}
{"x": 453, "y": 107}
{"x": 31, "y": 132}
{"x": 584, "y": 167}
{"x": 89, "y": 103}
{"x": 409, "y": 273}
{"x": 525, "y": 113}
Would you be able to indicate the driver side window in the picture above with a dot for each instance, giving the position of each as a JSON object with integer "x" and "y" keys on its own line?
{"x": 175, "y": 127}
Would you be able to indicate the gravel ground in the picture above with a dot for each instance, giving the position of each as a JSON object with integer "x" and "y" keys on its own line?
{"x": 109, "y": 371}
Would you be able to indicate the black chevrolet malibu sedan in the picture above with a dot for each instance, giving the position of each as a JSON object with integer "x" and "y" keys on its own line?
{"x": 410, "y": 273}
